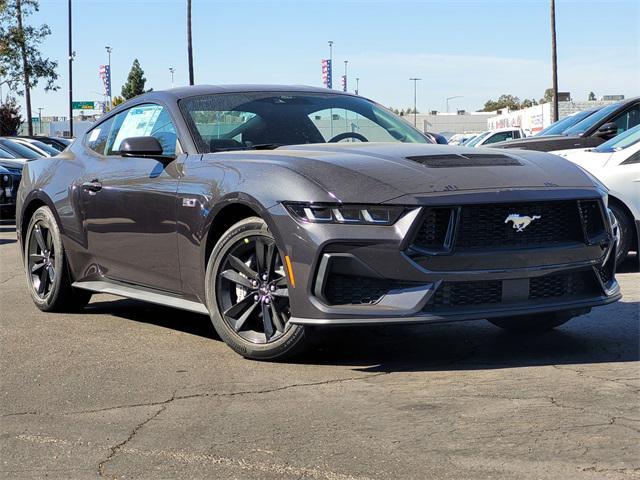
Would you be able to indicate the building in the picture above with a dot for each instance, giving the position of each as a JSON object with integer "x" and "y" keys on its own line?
{"x": 451, "y": 123}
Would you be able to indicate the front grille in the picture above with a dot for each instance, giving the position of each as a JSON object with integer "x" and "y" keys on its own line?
{"x": 460, "y": 294}
{"x": 356, "y": 290}
{"x": 561, "y": 285}
{"x": 450, "y": 295}
{"x": 433, "y": 231}
{"x": 591, "y": 217}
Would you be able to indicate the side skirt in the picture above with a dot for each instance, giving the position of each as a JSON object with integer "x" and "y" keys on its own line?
{"x": 138, "y": 293}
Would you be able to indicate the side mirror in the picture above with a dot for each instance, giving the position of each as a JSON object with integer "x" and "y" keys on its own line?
{"x": 608, "y": 130}
{"x": 143, "y": 147}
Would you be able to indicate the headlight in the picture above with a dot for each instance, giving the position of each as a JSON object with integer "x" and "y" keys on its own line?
{"x": 344, "y": 213}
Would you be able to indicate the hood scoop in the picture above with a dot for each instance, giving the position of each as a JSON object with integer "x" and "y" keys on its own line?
{"x": 455, "y": 160}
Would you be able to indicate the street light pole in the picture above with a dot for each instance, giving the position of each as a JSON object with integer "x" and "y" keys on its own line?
{"x": 345, "y": 75}
{"x": 172, "y": 70}
{"x": 554, "y": 61}
{"x": 357, "y": 85}
{"x": 40, "y": 118}
{"x": 415, "y": 100}
{"x": 70, "y": 76}
{"x": 109, "y": 49}
{"x": 330, "y": 85}
{"x": 189, "y": 43}
{"x": 451, "y": 98}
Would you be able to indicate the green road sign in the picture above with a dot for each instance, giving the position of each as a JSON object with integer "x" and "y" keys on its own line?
{"x": 82, "y": 105}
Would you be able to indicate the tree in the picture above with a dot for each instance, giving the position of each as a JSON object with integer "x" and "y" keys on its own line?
{"x": 135, "y": 82}
{"x": 21, "y": 63}
{"x": 117, "y": 100}
{"x": 548, "y": 96}
{"x": 504, "y": 101}
{"x": 526, "y": 103}
{"x": 592, "y": 97}
{"x": 10, "y": 118}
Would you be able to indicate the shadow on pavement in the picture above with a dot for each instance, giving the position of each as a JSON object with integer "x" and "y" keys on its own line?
{"x": 608, "y": 334}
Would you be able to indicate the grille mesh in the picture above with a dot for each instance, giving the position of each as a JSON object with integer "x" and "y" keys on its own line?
{"x": 433, "y": 230}
{"x": 458, "y": 294}
{"x": 355, "y": 290}
{"x": 484, "y": 225}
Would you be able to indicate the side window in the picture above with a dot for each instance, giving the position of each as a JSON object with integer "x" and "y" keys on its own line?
{"x": 499, "y": 137}
{"x": 516, "y": 134}
{"x": 97, "y": 136}
{"x": 628, "y": 119}
{"x": 632, "y": 160}
{"x": 142, "y": 121}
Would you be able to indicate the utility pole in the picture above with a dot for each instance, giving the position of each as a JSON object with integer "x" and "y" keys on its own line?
{"x": 554, "y": 61}
{"x": 40, "y": 118}
{"x": 26, "y": 69}
{"x": 189, "y": 43}
{"x": 172, "y": 71}
{"x": 109, "y": 50}
{"x": 415, "y": 100}
{"x": 357, "y": 85}
{"x": 71, "y": 55}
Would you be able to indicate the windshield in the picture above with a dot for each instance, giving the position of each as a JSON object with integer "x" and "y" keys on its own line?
{"x": 622, "y": 141}
{"x": 560, "y": 126}
{"x": 43, "y": 146}
{"x": 474, "y": 141}
{"x": 19, "y": 150}
{"x": 587, "y": 123}
{"x": 270, "y": 119}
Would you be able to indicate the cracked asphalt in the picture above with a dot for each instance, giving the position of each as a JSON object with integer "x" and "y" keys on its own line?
{"x": 129, "y": 390}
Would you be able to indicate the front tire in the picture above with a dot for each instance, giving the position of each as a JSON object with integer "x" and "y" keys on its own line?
{"x": 248, "y": 294}
{"x": 626, "y": 229}
{"x": 541, "y": 322}
{"x": 46, "y": 266}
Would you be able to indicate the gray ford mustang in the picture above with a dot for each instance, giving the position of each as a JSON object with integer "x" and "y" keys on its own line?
{"x": 278, "y": 209}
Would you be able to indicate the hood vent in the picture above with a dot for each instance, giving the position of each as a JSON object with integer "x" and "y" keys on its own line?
{"x": 467, "y": 160}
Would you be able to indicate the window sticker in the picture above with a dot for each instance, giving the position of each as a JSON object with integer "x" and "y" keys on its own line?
{"x": 94, "y": 134}
{"x": 139, "y": 122}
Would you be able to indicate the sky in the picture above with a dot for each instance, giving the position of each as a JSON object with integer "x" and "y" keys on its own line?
{"x": 474, "y": 49}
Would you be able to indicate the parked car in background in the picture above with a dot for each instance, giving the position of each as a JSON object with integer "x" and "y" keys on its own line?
{"x": 559, "y": 127}
{"x": 616, "y": 163}
{"x": 42, "y": 148}
{"x": 437, "y": 138}
{"x": 17, "y": 149}
{"x": 460, "y": 138}
{"x": 494, "y": 136}
{"x": 56, "y": 142}
{"x": 10, "y": 176}
{"x": 597, "y": 128}
{"x": 263, "y": 208}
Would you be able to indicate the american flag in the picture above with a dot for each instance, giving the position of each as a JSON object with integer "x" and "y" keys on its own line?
{"x": 344, "y": 83}
{"x": 105, "y": 76}
{"x": 326, "y": 73}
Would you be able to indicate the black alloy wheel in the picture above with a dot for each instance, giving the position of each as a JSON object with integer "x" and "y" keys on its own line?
{"x": 252, "y": 290}
{"x": 248, "y": 294}
{"x": 46, "y": 266}
{"x": 41, "y": 262}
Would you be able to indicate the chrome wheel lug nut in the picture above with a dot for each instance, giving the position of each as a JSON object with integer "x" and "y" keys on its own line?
{"x": 256, "y": 297}
{"x": 264, "y": 276}
{"x": 254, "y": 283}
{"x": 267, "y": 301}
{"x": 272, "y": 288}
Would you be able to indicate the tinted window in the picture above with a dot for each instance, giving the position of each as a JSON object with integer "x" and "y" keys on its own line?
{"x": 5, "y": 154}
{"x": 475, "y": 140}
{"x": 581, "y": 127}
{"x": 560, "y": 126}
{"x": 289, "y": 118}
{"x": 628, "y": 119}
{"x": 97, "y": 136}
{"x": 143, "y": 121}
{"x": 43, "y": 146}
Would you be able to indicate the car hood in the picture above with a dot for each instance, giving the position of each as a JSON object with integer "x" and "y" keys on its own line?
{"x": 17, "y": 163}
{"x": 378, "y": 172}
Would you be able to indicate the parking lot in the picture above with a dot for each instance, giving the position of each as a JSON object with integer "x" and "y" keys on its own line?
{"x": 130, "y": 390}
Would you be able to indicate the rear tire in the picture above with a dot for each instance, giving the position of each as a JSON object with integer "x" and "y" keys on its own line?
{"x": 541, "y": 322}
{"x": 248, "y": 294}
{"x": 46, "y": 266}
{"x": 627, "y": 231}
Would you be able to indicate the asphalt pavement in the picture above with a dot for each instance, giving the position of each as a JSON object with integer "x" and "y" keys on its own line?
{"x": 130, "y": 390}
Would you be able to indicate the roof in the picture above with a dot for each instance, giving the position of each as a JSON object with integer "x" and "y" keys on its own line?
{"x": 193, "y": 90}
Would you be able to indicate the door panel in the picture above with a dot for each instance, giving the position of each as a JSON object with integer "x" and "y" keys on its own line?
{"x": 130, "y": 222}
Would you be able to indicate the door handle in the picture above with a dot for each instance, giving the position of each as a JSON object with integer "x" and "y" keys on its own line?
{"x": 93, "y": 186}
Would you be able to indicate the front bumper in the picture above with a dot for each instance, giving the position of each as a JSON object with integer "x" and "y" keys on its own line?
{"x": 388, "y": 282}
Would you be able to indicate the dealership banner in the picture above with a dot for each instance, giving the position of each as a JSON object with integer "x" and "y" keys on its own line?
{"x": 327, "y": 73}
{"x": 105, "y": 76}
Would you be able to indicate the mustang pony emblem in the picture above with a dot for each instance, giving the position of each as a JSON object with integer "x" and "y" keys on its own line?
{"x": 520, "y": 222}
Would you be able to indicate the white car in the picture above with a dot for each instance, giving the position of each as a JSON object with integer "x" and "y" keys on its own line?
{"x": 616, "y": 163}
{"x": 495, "y": 136}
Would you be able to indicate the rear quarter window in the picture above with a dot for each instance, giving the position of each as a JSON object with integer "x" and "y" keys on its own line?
{"x": 96, "y": 138}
